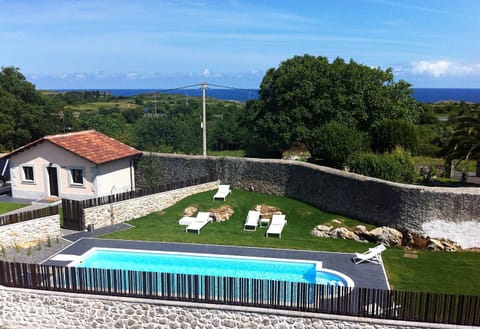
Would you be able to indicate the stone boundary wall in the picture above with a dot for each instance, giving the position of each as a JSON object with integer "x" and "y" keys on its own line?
{"x": 372, "y": 200}
{"x": 24, "y": 308}
{"x": 126, "y": 210}
{"x": 30, "y": 232}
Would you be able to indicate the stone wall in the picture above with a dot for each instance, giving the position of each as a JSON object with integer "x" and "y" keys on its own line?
{"x": 31, "y": 232}
{"x": 23, "y": 308}
{"x": 369, "y": 199}
{"x": 122, "y": 211}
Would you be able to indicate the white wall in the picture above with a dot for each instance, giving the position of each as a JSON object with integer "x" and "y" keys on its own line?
{"x": 40, "y": 157}
{"x": 114, "y": 177}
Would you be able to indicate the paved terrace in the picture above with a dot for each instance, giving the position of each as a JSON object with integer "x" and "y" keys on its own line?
{"x": 365, "y": 275}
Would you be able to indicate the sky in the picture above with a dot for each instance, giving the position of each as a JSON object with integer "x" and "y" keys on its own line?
{"x": 59, "y": 44}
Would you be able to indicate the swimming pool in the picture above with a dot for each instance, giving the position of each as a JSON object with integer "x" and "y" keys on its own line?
{"x": 302, "y": 271}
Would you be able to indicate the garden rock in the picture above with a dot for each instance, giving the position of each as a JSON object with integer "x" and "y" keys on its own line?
{"x": 221, "y": 214}
{"x": 386, "y": 235}
{"x": 360, "y": 229}
{"x": 267, "y": 211}
{"x": 322, "y": 231}
{"x": 442, "y": 245}
{"x": 327, "y": 231}
{"x": 189, "y": 211}
{"x": 415, "y": 240}
{"x": 344, "y": 234}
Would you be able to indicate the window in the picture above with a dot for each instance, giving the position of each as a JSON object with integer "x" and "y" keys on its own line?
{"x": 77, "y": 176}
{"x": 28, "y": 174}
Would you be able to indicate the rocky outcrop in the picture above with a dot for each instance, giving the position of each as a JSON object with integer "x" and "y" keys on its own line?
{"x": 385, "y": 235}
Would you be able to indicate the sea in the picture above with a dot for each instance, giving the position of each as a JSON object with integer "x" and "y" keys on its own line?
{"x": 422, "y": 95}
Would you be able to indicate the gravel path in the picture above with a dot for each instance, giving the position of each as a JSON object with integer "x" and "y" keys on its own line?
{"x": 36, "y": 254}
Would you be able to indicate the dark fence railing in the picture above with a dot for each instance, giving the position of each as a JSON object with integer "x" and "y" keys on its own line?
{"x": 387, "y": 304}
{"x": 28, "y": 215}
{"x": 73, "y": 209}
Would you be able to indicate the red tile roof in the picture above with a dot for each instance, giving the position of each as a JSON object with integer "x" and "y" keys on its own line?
{"x": 88, "y": 144}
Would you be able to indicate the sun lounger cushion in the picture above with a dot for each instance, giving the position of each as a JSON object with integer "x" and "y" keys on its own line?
{"x": 222, "y": 193}
{"x": 277, "y": 224}
{"x": 252, "y": 220}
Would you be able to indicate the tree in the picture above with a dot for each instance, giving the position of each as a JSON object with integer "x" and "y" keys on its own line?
{"x": 111, "y": 125}
{"x": 333, "y": 144}
{"x": 392, "y": 133}
{"x": 163, "y": 134}
{"x": 306, "y": 92}
{"x": 224, "y": 134}
{"x": 464, "y": 143}
{"x": 24, "y": 112}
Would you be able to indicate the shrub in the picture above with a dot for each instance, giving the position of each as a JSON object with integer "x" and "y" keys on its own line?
{"x": 333, "y": 143}
{"x": 428, "y": 117}
{"x": 392, "y": 133}
{"x": 397, "y": 166}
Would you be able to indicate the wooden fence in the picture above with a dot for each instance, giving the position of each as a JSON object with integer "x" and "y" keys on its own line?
{"x": 28, "y": 215}
{"x": 73, "y": 209}
{"x": 387, "y": 304}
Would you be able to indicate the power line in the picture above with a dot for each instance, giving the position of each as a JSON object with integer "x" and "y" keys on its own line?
{"x": 200, "y": 84}
{"x": 178, "y": 88}
{"x": 227, "y": 87}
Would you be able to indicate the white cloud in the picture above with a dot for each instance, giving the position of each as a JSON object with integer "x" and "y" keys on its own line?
{"x": 79, "y": 76}
{"x": 442, "y": 67}
{"x": 132, "y": 75}
{"x": 206, "y": 73}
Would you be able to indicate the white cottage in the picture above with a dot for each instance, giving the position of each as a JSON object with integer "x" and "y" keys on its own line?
{"x": 78, "y": 165}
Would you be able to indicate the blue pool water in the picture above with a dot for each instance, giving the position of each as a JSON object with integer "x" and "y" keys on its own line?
{"x": 211, "y": 265}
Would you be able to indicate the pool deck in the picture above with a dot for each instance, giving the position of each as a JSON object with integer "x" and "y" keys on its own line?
{"x": 365, "y": 275}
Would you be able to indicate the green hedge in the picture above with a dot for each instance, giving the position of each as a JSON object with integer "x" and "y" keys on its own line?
{"x": 397, "y": 166}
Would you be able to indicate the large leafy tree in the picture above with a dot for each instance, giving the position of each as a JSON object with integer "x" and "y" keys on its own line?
{"x": 164, "y": 134}
{"x": 464, "y": 143}
{"x": 306, "y": 92}
{"x": 24, "y": 113}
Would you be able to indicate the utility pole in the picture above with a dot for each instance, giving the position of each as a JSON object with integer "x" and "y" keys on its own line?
{"x": 204, "y": 119}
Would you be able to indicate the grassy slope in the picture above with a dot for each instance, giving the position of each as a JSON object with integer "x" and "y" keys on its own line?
{"x": 438, "y": 272}
{"x": 95, "y": 106}
{"x": 8, "y": 206}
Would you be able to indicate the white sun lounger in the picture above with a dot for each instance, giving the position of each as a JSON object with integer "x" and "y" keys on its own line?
{"x": 202, "y": 219}
{"x": 372, "y": 255}
{"x": 276, "y": 225}
{"x": 222, "y": 193}
{"x": 252, "y": 220}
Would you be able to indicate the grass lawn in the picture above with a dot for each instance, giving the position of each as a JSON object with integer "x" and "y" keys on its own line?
{"x": 228, "y": 153}
{"x": 469, "y": 166}
{"x": 95, "y": 106}
{"x": 9, "y": 206}
{"x": 441, "y": 272}
{"x": 431, "y": 271}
